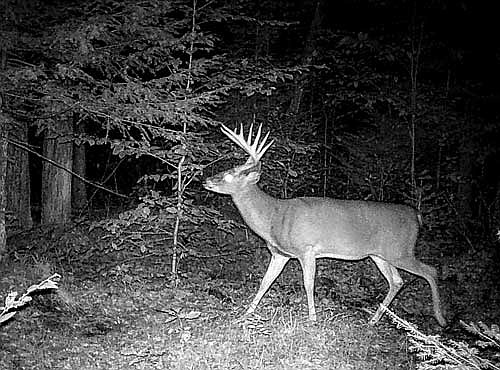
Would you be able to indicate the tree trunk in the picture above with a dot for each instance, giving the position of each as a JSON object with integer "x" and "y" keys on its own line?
{"x": 56, "y": 183}
{"x": 79, "y": 167}
{"x": 17, "y": 184}
{"x": 496, "y": 211}
{"x": 307, "y": 57}
{"x": 3, "y": 173}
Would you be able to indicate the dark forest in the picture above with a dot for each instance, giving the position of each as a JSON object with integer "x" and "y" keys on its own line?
{"x": 249, "y": 185}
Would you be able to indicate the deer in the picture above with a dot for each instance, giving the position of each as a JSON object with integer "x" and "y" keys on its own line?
{"x": 308, "y": 228}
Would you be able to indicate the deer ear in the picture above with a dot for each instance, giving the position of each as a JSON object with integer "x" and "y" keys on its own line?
{"x": 253, "y": 177}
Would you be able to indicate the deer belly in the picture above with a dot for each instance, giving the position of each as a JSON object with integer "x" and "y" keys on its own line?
{"x": 324, "y": 242}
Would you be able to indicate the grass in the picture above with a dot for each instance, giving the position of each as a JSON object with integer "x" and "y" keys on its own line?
{"x": 117, "y": 308}
{"x": 121, "y": 320}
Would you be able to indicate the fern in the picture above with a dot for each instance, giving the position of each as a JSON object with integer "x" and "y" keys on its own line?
{"x": 434, "y": 354}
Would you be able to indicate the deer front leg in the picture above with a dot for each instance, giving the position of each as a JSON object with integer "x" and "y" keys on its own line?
{"x": 275, "y": 267}
{"x": 308, "y": 263}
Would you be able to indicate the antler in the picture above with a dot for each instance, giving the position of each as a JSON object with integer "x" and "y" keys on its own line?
{"x": 255, "y": 150}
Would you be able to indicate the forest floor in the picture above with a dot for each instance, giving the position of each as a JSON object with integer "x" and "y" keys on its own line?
{"x": 131, "y": 317}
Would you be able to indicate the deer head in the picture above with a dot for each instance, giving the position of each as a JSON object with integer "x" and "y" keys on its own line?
{"x": 239, "y": 178}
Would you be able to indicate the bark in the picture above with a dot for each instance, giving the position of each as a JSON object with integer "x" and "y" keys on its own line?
{"x": 79, "y": 167}
{"x": 307, "y": 56}
{"x": 56, "y": 183}
{"x": 496, "y": 211}
{"x": 3, "y": 172}
{"x": 17, "y": 184}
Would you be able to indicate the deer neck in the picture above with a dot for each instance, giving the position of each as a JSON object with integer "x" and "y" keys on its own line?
{"x": 257, "y": 209}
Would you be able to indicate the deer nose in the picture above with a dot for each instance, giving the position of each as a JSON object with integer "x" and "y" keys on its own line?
{"x": 208, "y": 184}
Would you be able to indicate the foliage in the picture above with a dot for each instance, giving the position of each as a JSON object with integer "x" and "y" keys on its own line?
{"x": 434, "y": 354}
{"x": 134, "y": 74}
{"x": 148, "y": 227}
{"x": 144, "y": 81}
{"x": 13, "y": 302}
{"x": 490, "y": 336}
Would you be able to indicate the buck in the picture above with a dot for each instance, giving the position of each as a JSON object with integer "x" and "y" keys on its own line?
{"x": 309, "y": 228}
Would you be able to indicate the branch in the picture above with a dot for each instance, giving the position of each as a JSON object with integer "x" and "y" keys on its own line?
{"x": 24, "y": 147}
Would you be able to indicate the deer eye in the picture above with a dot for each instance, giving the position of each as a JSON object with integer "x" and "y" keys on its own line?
{"x": 228, "y": 177}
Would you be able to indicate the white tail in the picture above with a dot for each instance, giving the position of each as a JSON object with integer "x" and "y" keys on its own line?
{"x": 309, "y": 228}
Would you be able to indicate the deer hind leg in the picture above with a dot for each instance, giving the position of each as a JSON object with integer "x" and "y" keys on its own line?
{"x": 275, "y": 267}
{"x": 308, "y": 263}
{"x": 429, "y": 274}
{"x": 391, "y": 274}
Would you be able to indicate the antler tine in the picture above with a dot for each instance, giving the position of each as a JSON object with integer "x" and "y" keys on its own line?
{"x": 261, "y": 150}
{"x": 249, "y": 138}
{"x": 256, "y": 140}
{"x": 255, "y": 149}
{"x": 239, "y": 140}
